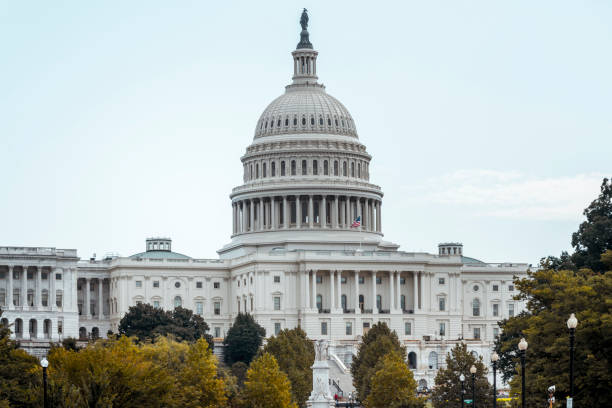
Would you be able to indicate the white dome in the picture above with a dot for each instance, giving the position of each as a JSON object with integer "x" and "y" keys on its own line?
{"x": 305, "y": 109}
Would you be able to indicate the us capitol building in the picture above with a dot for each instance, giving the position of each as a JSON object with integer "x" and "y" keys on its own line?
{"x": 306, "y": 249}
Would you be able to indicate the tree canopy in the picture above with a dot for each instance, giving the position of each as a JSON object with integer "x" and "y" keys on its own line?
{"x": 295, "y": 355}
{"x": 376, "y": 343}
{"x": 266, "y": 385}
{"x": 147, "y": 322}
{"x": 243, "y": 339}
{"x": 447, "y": 391}
{"x": 393, "y": 385}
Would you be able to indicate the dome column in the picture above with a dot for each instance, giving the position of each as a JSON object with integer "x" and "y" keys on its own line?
{"x": 285, "y": 213}
{"x": 298, "y": 212}
{"x": 272, "y": 213}
{"x": 260, "y": 223}
{"x": 323, "y": 212}
{"x": 335, "y": 213}
{"x": 310, "y": 212}
{"x": 252, "y": 211}
{"x": 359, "y": 214}
{"x": 366, "y": 211}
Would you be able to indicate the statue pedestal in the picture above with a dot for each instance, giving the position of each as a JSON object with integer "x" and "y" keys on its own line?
{"x": 320, "y": 397}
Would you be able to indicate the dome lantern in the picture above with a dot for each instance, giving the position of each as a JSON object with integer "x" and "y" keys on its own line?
{"x": 304, "y": 57}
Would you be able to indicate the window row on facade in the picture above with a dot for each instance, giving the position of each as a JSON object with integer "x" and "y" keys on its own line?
{"x": 263, "y": 169}
{"x": 306, "y": 123}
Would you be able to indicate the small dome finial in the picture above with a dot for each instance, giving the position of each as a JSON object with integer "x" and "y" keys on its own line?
{"x": 304, "y": 40}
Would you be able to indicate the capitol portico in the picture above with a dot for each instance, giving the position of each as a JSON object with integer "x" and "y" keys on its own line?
{"x": 306, "y": 249}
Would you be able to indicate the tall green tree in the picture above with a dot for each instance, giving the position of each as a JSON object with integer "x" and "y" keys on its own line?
{"x": 20, "y": 373}
{"x": 243, "y": 339}
{"x": 376, "y": 343}
{"x": 594, "y": 236}
{"x": 295, "y": 354}
{"x": 447, "y": 391}
{"x": 266, "y": 385}
{"x": 147, "y": 322}
{"x": 393, "y": 385}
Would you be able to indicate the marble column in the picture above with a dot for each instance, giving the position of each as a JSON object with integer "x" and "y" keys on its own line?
{"x": 298, "y": 212}
{"x": 342, "y": 213}
{"x": 307, "y": 291}
{"x": 310, "y": 212}
{"x": 374, "y": 305}
{"x": 332, "y": 291}
{"x": 398, "y": 290}
{"x": 313, "y": 293}
{"x": 323, "y": 212}
{"x": 272, "y": 213}
{"x": 233, "y": 218}
{"x": 9, "y": 289}
{"x": 24, "y": 291}
{"x": 416, "y": 291}
{"x": 335, "y": 214}
{"x": 366, "y": 215}
{"x": 38, "y": 291}
{"x": 86, "y": 311}
{"x": 391, "y": 291}
{"x": 338, "y": 289}
{"x": 285, "y": 213}
{"x": 100, "y": 298}
{"x": 252, "y": 211}
{"x": 379, "y": 217}
{"x": 260, "y": 222}
{"x": 357, "y": 310}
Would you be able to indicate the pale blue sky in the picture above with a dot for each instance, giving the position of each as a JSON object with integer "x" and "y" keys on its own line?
{"x": 489, "y": 122}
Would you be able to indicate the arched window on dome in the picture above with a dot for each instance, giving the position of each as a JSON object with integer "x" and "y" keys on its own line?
{"x": 325, "y": 168}
{"x": 303, "y": 121}
{"x": 352, "y": 169}
{"x": 271, "y": 123}
{"x": 250, "y": 172}
{"x": 359, "y": 170}
{"x": 278, "y": 123}
{"x": 261, "y": 125}
{"x": 295, "y": 121}
{"x": 312, "y": 122}
{"x": 273, "y": 169}
{"x": 293, "y": 168}
{"x": 328, "y": 121}
{"x": 266, "y": 126}
{"x": 320, "y": 121}
{"x": 304, "y": 168}
{"x": 286, "y": 122}
{"x": 344, "y": 169}
{"x": 263, "y": 170}
{"x": 335, "y": 167}
{"x": 342, "y": 120}
{"x": 335, "y": 120}
{"x": 315, "y": 167}
{"x": 282, "y": 168}
{"x": 257, "y": 170}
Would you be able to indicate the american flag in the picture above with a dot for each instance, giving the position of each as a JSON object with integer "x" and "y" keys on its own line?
{"x": 356, "y": 223}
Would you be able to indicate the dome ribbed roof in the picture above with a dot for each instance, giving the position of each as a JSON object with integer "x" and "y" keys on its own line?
{"x": 305, "y": 109}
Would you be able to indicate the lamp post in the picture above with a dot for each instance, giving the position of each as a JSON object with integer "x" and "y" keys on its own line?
{"x": 462, "y": 379}
{"x": 473, "y": 371}
{"x": 44, "y": 363}
{"x": 494, "y": 359}
{"x": 572, "y": 322}
{"x": 522, "y": 348}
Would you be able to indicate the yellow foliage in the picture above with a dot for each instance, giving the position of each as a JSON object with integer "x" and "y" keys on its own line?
{"x": 266, "y": 385}
{"x": 392, "y": 385}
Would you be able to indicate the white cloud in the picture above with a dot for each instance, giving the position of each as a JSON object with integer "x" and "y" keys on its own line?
{"x": 513, "y": 194}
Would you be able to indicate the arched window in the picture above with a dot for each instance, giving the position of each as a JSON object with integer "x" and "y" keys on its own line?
{"x": 312, "y": 121}
{"x": 44, "y": 297}
{"x": 293, "y": 168}
{"x": 378, "y": 302}
{"x": 335, "y": 167}
{"x": 4, "y": 322}
{"x": 343, "y": 302}
{"x": 476, "y": 307}
{"x": 319, "y": 303}
{"x": 250, "y": 172}
{"x": 257, "y": 170}
{"x": 361, "y": 303}
{"x": 271, "y": 123}
{"x": 33, "y": 328}
{"x": 320, "y": 121}
{"x": 412, "y": 360}
{"x": 263, "y": 170}
{"x": 286, "y": 121}
{"x": 359, "y": 170}
{"x": 95, "y": 333}
{"x": 2, "y": 296}
{"x": 278, "y": 123}
{"x": 294, "y": 121}
{"x": 344, "y": 169}
{"x": 433, "y": 360}
{"x": 304, "y": 168}
{"x": 403, "y": 302}
{"x": 352, "y": 169}
{"x": 315, "y": 167}
{"x": 178, "y": 302}
{"x": 336, "y": 121}
{"x": 58, "y": 297}
{"x": 83, "y": 333}
{"x": 283, "y": 168}
{"x": 273, "y": 169}
{"x": 303, "y": 121}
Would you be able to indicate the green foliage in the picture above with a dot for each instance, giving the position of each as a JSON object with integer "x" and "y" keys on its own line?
{"x": 447, "y": 391}
{"x": 594, "y": 236}
{"x": 266, "y": 385}
{"x": 20, "y": 374}
{"x": 393, "y": 385}
{"x": 147, "y": 322}
{"x": 505, "y": 344}
{"x": 243, "y": 339}
{"x": 295, "y": 355}
{"x": 551, "y": 297}
{"x": 239, "y": 370}
{"x": 376, "y": 343}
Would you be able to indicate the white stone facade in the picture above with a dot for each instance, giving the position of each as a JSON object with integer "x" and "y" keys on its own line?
{"x": 296, "y": 256}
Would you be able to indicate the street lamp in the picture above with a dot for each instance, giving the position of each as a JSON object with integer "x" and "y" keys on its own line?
{"x": 494, "y": 359}
{"x": 522, "y": 348}
{"x": 473, "y": 371}
{"x": 462, "y": 379}
{"x": 572, "y": 322}
{"x": 44, "y": 363}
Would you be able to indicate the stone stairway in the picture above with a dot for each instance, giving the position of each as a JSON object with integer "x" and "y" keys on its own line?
{"x": 341, "y": 378}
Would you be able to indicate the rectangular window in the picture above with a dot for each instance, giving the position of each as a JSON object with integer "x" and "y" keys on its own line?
{"x": 58, "y": 298}
{"x": 510, "y": 288}
{"x": 198, "y": 285}
{"x": 496, "y": 332}
{"x": 361, "y": 280}
{"x": 277, "y": 305}
{"x": 60, "y": 326}
{"x": 315, "y": 167}
{"x": 58, "y": 276}
{"x": 495, "y": 309}
{"x": 217, "y": 306}
{"x": 440, "y": 281}
{"x": 30, "y": 275}
{"x": 200, "y": 308}
{"x": 407, "y": 328}
{"x": 378, "y": 280}
{"x": 402, "y": 281}
{"x": 442, "y": 329}
{"x": 15, "y": 275}
{"x": 442, "y": 304}
{"x": 138, "y": 284}
{"x": 277, "y": 328}
{"x": 349, "y": 328}
{"x": 217, "y": 332}
{"x": 343, "y": 279}
{"x": 319, "y": 279}
{"x": 277, "y": 279}
{"x": 511, "y": 310}
{"x": 156, "y": 284}
{"x": 43, "y": 275}
{"x": 217, "y": 285}
{"x": 304, "y": 168}
{"x": 495, "y": 288}
{"x": 156, "y": 304}
{"x": 477, "y": 333}
{"x": 324, "y": 328}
